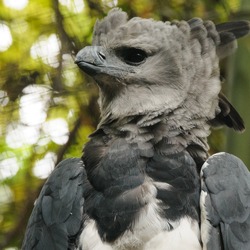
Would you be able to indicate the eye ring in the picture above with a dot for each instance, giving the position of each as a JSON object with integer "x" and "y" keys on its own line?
{"x": 132, "y": 56}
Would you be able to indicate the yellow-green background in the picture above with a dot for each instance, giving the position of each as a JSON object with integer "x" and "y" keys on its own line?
{"x": 77, "y": 95}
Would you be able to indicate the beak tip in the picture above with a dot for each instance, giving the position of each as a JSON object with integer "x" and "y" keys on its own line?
{"x": 77, "y": 59}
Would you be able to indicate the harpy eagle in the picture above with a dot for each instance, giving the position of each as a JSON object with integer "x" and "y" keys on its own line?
{"x": 145, "y": 180}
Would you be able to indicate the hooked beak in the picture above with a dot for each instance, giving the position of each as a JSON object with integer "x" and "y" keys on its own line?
{"x": 91, "y": 60}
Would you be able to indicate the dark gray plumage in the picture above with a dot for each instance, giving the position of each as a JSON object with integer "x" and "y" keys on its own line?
{"x": 146, "y": 179}
{"x": 225, "y": 202}
{"x": 57, "y": 217}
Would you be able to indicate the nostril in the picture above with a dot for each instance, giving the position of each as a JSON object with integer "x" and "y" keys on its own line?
{"x": 101, "y": 54}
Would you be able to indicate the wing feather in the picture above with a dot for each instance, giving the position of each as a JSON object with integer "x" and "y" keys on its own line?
{"x": 57, "y": 218}
{"x": 225, "y": 203}
{"x": 228, "y": 115}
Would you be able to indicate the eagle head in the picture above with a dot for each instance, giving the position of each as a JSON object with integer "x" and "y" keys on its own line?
{"x": 145, "y": 66}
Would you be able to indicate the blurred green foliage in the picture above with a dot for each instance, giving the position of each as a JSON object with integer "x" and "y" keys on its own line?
{"x": 48, "y": 107}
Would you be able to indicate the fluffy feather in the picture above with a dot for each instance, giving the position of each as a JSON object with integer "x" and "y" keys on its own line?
{"x": 159, "y": 96}
{"x": 138, "y": 184}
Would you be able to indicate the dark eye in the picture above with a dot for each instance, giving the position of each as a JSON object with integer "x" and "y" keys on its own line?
{"x": 132, "y": 56}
